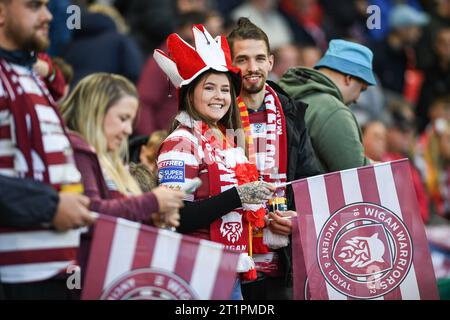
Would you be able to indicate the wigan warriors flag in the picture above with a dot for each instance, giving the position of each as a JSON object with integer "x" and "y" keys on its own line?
{"x": 362, "y": 236}
{"x": 132, "y": 261}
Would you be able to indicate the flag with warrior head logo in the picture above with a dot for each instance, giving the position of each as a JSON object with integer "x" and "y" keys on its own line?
{"x": 131, "y": 261}
{"x": 362, "y": 237}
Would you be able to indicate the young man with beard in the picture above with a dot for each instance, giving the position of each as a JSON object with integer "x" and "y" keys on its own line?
{"x": 33, "y": 145}
{"x": 279, "y": 145}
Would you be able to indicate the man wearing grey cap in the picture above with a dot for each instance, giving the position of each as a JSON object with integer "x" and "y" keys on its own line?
{"x": 340, "y": 76}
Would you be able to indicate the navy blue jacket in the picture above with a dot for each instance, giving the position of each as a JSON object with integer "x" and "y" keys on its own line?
{"x": 98, "y": 47}
{"x": 26, "y": 203}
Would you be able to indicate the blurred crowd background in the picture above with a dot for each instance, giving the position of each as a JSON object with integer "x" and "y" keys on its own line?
{"x": 406, "y": 115}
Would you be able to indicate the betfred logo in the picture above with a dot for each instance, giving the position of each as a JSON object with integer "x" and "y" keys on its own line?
{"x": 364, "y": 251}
{"x": 149, "y": 284}
{"x": 171, "y": 163}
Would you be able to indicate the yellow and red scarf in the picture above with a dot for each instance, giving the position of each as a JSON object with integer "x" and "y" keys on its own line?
{"x": 271, "y": 153}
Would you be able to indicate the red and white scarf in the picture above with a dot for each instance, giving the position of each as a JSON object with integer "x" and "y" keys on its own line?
{"x": 274, "y": 141}
{"x": 228, "y": 166}
{"x": 270, "y": 149}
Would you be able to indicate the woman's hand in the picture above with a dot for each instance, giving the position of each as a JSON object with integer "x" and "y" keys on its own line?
{"x": 42, "y": 68}
{"x": 255, "y": 192}
{"x": 167, "y": 220}
{"x": 168, "y": 200}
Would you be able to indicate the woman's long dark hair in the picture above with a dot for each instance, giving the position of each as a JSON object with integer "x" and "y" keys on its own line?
{"x": 231, "y": 119}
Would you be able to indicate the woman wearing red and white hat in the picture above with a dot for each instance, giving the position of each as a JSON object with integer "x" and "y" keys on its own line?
{"x": 204, "y": 144}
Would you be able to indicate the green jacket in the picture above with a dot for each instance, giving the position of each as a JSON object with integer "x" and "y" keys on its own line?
{"x": 332, "y": 127}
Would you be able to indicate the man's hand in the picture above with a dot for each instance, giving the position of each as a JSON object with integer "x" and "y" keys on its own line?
{"x": 279, "y": 224}
{"x": 72, "y": 212}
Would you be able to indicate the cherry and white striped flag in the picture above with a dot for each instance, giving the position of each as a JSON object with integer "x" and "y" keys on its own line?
{"x": 131, "y": 261}
{"x": 362, "y": 236}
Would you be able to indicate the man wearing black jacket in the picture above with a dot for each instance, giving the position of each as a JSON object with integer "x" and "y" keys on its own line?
{"x": 280, "y": 146}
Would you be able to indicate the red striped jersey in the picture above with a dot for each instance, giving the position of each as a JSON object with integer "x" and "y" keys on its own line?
{"x": 181, "y": 159}
{"x": 39, "y": 254}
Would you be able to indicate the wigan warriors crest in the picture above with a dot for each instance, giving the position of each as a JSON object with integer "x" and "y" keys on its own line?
{"x": 231, "y": 227}
{"x": 362, "y": 247}
{"x": 149, "y": 284}
{"x": 364, "y": 251}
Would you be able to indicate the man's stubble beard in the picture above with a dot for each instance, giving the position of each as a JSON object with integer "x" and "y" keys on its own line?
{"x": 254, "y": 88}
{"x": 28, "y": 43}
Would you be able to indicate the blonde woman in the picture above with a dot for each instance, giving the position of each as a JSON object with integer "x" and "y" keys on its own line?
{"x": 100, "y": 112}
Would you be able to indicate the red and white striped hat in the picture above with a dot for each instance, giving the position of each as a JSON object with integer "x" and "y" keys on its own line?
{"x": 184, "y": 63}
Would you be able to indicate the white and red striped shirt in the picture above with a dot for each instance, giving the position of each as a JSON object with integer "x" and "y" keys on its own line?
{"x": 38, "y": 254}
